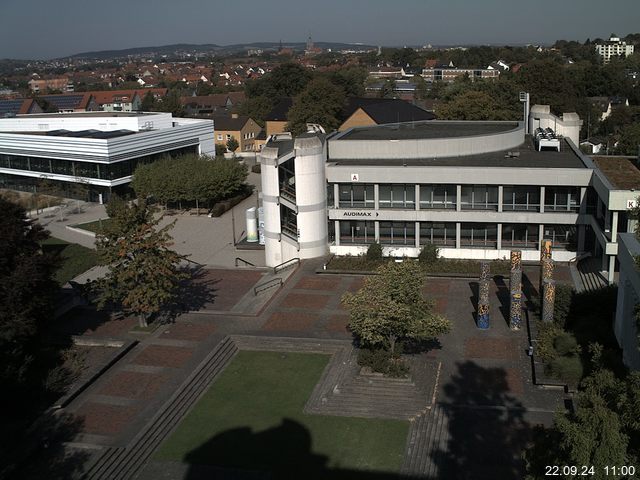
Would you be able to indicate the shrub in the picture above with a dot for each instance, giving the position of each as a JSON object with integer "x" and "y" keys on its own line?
{"x": 381, "y": 360}
{"x": 256, "y": 168}
{"x": 565, "y": 344}
{"x": 568, "y": 369}
{"x": 428, "y": 254}
{"x": 563, "y": 302}
{"x": 547, "y": 332}
{"x": 374, "y": 252}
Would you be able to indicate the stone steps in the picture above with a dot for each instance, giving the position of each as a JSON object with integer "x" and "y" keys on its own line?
{"x": 123, "y": 463}
{"x": 428, "y": 441}
{"x": 590, "y": 275}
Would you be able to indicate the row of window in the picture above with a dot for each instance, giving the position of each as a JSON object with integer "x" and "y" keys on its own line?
{"x": 474, "y": 235}
{"x": 442, "y": 197}
{"x": 111, "y": 171}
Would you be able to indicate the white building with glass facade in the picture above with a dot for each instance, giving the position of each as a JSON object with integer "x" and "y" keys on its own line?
{"x": 97, "y": 149}
{"x": 475, "y": 189}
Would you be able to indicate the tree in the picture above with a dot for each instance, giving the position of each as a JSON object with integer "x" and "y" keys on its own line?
{"x": 149, "y": 103}
{"x": 143, "y": 272}
{"x": 27, "y": 294}
{"x": 232, "y": 144}
{"x": 629, "y": 143}
{"x": 220, "y": 150}
{"x": 388, "y": 89}
{"x": 473, "y": 105}
{"x": 390, "y": 307}
{"x": 320, "y": 102}
{"x": 171, "y": 103}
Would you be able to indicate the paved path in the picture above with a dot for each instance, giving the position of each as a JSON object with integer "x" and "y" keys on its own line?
{"x": 480, "y": 380}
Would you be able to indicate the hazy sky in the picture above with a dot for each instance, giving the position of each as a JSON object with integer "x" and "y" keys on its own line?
{"x": 46, "y": 29}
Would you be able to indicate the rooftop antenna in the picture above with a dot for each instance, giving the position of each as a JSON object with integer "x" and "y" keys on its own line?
{"x": 524, "y": 98}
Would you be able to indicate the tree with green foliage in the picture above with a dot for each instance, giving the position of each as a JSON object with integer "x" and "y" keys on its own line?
{"x": 351, "y": 80}
{"x": 390, "y": 307}
{"x": 232, "y": 144}
{"x": 149, "y": 103}
{"x": 143, "y": 272}
{"x": 220, "y": 150}
{"x": 388, "y": 89}
{"x": 285, "y": 80}
{"x": 629, "y": 143}
{"x": 473, "y": 105}
{"x": 27, "y": 296}
{"x": 257, "y": 108}
{"x": 320, "y": 102}
{"x": 171, "y": 103}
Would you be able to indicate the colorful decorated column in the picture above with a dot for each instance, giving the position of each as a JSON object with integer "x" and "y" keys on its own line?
{"x": 483, "y": 296}
{"x": 548, "y": 300}
{"x": 515, "y": 312}
{"x": 545, "y": 254}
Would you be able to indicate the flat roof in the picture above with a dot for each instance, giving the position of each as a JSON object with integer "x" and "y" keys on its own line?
{"x": 427, "y": 130}
{"x": 97, "y": 134}
{"x": 528, "y": 157}
{"x": 88, "y": 114}
{"x": 622, "y": 172}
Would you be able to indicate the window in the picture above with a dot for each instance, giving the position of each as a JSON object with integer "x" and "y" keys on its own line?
{"x": 356, "y": 195}
{"x": 398, "y": 233}
{"x": 438, "y": 233}
{"x": 228, "y": 136}
{"x": 524, "y": 198}
{"x": 520, "y": 236}
{"x": 563, "y": 237}
{"x": 330, "y": 198}
{"x": 438, "y": 196}
{"x": 357, "y": 232}
{"x": 479, "y": 235}
{"x": 479, "y": 197}
{"x": 219, "y": 136}
{"x": 397, "y": 196}
{"x": 561, "y": 199}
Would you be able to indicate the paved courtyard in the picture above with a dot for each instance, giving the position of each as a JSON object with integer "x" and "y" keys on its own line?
{"x": 480, "y": 381}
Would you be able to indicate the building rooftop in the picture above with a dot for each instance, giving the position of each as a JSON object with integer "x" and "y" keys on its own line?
{"x": 526, "y": 156}
{"x": 89, "y": 114}
{"x": 427, "y": 130}
{"x": 620, "y": 171}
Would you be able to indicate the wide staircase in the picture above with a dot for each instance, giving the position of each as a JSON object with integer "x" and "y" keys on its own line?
{"x": 427, "y": 444}
{"x": 590, "y": 274}
{"x": 123, "y": 463}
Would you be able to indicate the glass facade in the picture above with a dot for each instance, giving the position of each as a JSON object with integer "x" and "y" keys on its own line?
{"x": 356, "y": 195}
{"x": 561, "y": 199}
{"x": 443, "y": 234}
{"x": 438, "y": 196}
{"x": 520, "y": 236}
{"x": 357, "y": 232}
{"x": 102, "y": 171}
{"x": 563, "y": 237}
{"x": 479, "y": 235}
{"x": 521, "y": 198}
{"x": 398, "y": 233}
{"x": 397, "y": 196}
{"x": 479, "y": 197}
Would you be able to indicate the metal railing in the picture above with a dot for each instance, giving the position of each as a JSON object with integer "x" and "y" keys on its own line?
{"x": 274, "y": 282}
{"x": 285, "y": 265}
{"x": 238, "y": 259}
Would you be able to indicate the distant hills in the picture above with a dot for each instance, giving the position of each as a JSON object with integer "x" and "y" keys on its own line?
{"x": 193, "y": 49}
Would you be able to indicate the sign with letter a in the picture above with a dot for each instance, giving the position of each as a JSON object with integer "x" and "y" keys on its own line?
{"x": 355, "y": 177}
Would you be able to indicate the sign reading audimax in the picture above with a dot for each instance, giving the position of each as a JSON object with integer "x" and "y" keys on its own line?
{"x": 359, "y": 214}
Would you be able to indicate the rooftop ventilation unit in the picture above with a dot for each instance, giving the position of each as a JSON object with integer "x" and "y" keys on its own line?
{"x": 546, "y": 138}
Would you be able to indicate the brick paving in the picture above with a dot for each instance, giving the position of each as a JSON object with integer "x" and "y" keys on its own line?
{"x": 302, "y": 300}
{"x": 164, "y": 356}
{"x": 88, "y": 321}
{"x": 103, "y": 419}
{"x": 188, "y": 331}
{"x": 134, "y": 385}
{"x": 291, "y": 321}
{"x": 227, "y": 287}
{"x": 495, "y": 348}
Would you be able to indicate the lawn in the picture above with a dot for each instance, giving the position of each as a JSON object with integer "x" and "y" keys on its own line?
{"x": 74, "y": 259}
{"x": 94, "y": 226}
{"x": 252, "y": 419}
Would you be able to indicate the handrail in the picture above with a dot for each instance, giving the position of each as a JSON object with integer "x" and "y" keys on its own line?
{"x": 286, "y": 264}
{"x": 268, "y": 284}
{"x": 582, "y": 256}
{"x": 243, "y": 261}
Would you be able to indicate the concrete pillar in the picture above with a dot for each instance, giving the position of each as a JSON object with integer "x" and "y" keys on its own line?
{"x": 417, "y": 200}
{"x": 376, "y": 197}
{"x": 377, "y": 231}
{"x": 540, "y": 235}
{"x": 614, "y": 227}
{"x": 336, "y": 195}
{"x": 337, "y": 230}
{"x": 499, "y": 242}
{"x": 581, "y": 234}
{"x": 458, "y": 227}
{"x": 458, "y": 198}
{"x": 417, "y": 234}
{"x": 500, "y": 199}
{"x": 541, "y": 202}
{"x": 583, "y": 200}
{"x": 612, "y": 269}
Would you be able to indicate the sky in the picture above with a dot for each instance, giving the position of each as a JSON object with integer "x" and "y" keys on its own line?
{"x": 40, "y": 29}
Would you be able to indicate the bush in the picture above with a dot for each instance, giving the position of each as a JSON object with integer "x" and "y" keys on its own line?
{"x": 547, "y": 333}
{"x": 428, "y": 254}
{"x": 562, "y": 305}
{"x": 565, "y": 344}
{"x": 380, "y": 360}
{"x": 256, "y": 168}
{"x": 568, "y": 369}
{"x": 374, "y": 252}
